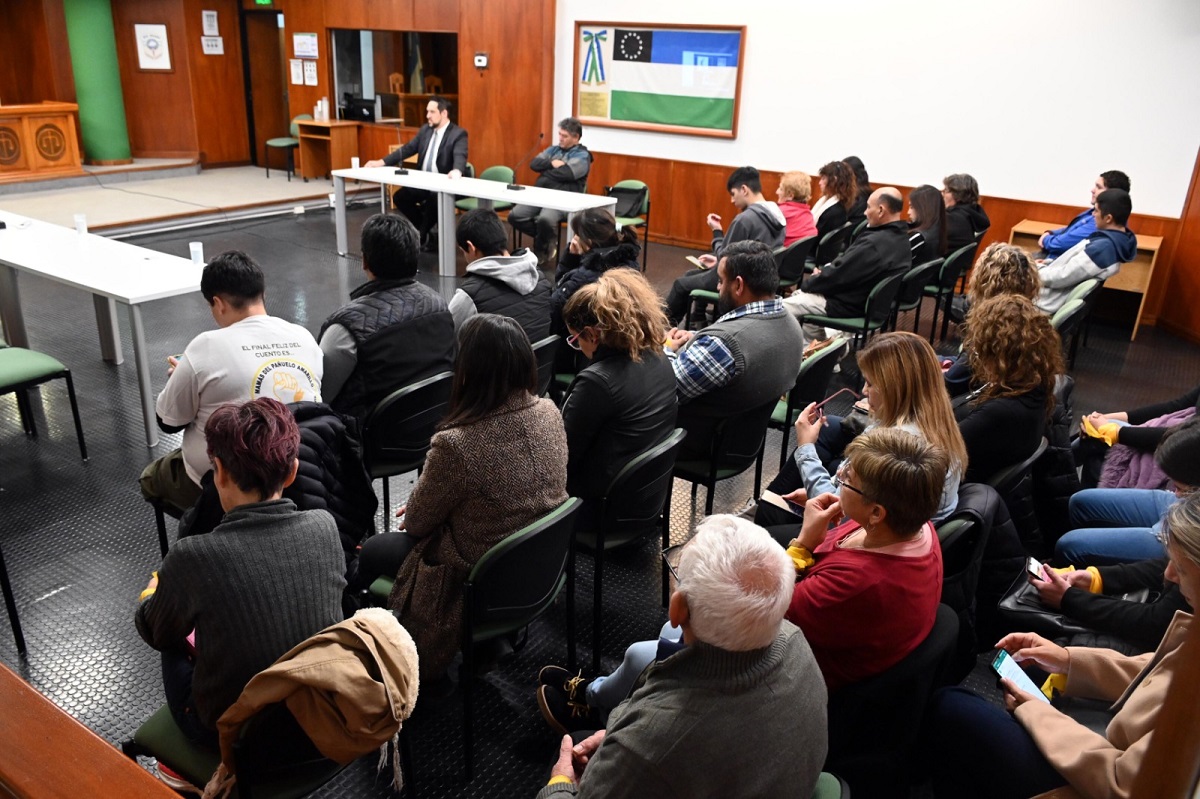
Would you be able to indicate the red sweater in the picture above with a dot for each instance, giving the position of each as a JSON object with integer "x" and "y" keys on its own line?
{"x": 800, "y": 224}
{"x": 863, "y": 610}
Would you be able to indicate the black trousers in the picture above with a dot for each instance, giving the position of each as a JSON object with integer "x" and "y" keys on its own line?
{"x": 419, "y": 206}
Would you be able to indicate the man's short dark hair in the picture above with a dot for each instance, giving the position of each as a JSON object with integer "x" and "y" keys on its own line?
{"x": 234, "y": 277}
{"x": 1115, "y": 179}
{"x": 572, "y": 126}
{"x": 894, "y": 203}
{"x": 754, "y": 263}
{"x": 484, "y": 229}
{"x": 1115, "y": 203}
{"x": 390, "y": 246}
{"x": 745, "y": 176}
{"x": 442, "y": 103}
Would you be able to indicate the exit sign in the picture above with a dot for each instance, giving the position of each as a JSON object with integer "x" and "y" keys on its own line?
{"x": 263, "y": 2}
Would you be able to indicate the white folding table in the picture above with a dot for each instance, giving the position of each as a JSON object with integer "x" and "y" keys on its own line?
{"x": 111, "y": 271}
{"x": 447, "y": 189}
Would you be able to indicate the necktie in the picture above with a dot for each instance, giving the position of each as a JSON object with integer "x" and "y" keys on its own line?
{"x": 430, "y": 164}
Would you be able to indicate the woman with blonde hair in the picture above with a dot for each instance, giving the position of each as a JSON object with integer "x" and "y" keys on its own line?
{"x": 623, "y": 402}
{"x": 1014, "y": 355}
{"x": 795, "y": 189}
{"x": 903, "y": 385}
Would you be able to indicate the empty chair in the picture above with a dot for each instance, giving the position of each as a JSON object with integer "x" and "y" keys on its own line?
{"x": 289, "y": 143}
{"x": 912, "y": 291}
{"x": 812, "y": 382}
{"x": 831, "y": 245}
{"x": 545, "y": 351}
{"x": 736, "y": 444}
{"x": 791, "y": 259}
{"x": 953, "y": 268}
{"x": 499, "y": 174}
{"x": 22, "y": 369}
{"x": 633, "y": 209}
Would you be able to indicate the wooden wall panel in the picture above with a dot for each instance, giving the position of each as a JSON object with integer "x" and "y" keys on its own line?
{"x": 267, "y": 82}
{"x": 690, "y": 191}
{"x": 442, "y": 15}
{"x": 159, "y": 106}
{"x": 218, "y": 88}
{"x": 1181, "y": 307}
{"x": 308, "y": 16}
{"x": 394, "y": 15}
{"x": 25, "y": 44}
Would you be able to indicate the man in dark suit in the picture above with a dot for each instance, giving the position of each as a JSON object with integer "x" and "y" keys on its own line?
{"x": 440, "y": 146}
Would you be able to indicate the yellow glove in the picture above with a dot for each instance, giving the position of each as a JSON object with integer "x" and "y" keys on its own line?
{"x": 1107, "y": 432}
{"x": 800, "y": 556}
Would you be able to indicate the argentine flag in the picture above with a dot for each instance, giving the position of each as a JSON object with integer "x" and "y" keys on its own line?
{"x": 674, "y": 77}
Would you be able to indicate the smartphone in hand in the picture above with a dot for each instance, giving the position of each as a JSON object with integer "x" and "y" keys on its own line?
{"x": 1008, "y": 668}
{"x": 1034, "y": 567}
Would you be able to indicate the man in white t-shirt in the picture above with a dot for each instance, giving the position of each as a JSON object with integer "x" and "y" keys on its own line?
{"x": 251, "y": 355}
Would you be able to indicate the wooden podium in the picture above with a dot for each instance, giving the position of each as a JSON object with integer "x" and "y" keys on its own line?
{"x": 38, "y": 140}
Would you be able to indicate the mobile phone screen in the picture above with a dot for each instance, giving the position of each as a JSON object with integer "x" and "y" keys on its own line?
{"x": 1034, "y": 568}
{"x": 794, "y": 508}
{"x": 1007, "y": 668}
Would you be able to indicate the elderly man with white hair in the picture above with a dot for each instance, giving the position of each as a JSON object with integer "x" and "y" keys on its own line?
{"x": 734, "y": 708}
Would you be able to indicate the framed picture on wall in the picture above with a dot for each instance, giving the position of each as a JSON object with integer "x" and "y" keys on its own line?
{"x": 153, "y": 48}
{"x": 672, "y": 78}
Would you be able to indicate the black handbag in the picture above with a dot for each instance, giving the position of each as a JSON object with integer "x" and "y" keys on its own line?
{"x": 1022, "y": 610}
{"x": 629, "y": 201}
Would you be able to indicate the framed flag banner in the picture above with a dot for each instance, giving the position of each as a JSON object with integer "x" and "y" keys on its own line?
{"x": 673, "y": 78}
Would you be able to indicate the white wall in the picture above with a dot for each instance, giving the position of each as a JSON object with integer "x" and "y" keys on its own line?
{"x": 1032, "y": 97}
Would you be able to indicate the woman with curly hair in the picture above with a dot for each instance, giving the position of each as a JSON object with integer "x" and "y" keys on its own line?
{"x": 623, "y": 402}
{"x": 1001, "y": 269}
{"x": 838, "y": 192}
{"x": 1014, "y": 354}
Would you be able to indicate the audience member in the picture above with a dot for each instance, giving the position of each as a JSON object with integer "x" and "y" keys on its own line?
{"x": 858, "y": 211}
{"x": 497, "y": 282}
{"x": 497, "y": 463}
{"x": 623, "y": 402}
{"x": 224, "y": 606}
{"x": 841, "y": 288}
{"x": 1118, "y": 525}
{"x": 1136, "y": 429}
{"x": 749, "y": 355}
{"x": 740, "y": 687}
{"x": 1000, "y": 269}
{"x": 596, "y": 247}
{"x": 1038, "y": 748}
{"x": 1055, "y": 242}
{"x": 1014, "y": 355}
{"x": 1099, "y": 256}
{"x": 758, "y": 219}
{"x": 795, "y": 189}
{"x": 839, "y": 190}
{"x": 903, "y": 387}
{"x": 926, "y": 224}
{"x": 563, "y": 166}
{"x": 966, "y": 221}
{"x": 393, "y": 332}
{"x": 440, "y": 146}
{"x": 250, "y": 355}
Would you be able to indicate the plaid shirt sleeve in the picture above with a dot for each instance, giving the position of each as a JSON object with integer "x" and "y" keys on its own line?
{"x": 703, "y": 367}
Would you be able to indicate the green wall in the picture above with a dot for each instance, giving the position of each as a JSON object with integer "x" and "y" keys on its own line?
{"x": 97, "y": 80}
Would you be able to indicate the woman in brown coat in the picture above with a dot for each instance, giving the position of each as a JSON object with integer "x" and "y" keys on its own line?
{"x": 497, "y": 463}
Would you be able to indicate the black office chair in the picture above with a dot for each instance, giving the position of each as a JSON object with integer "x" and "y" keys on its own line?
{"x": 397, "y": 431}
{"x": 545, "y": 351}
{"x": 514, "y": 583}
{"x": 876, "y": 314}
{"x": 873, "y": 724}
{"x": 790, "y": 261}
{"x": 736, "y": 445}
{"x": 912, "y": 291}
{"x": 953, "y": 267}
{"x": 812, "y": 383}
{"x": 1007, "y": 478}
{"x": 831, "y": 245}
{"x": 637, "y": 502}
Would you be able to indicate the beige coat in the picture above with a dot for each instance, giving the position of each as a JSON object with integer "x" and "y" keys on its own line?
{"x": 480, "y": 484}
{"x": 1105, "y": 766}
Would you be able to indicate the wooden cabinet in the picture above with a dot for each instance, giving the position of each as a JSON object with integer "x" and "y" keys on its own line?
{"x": 326, "y": 146}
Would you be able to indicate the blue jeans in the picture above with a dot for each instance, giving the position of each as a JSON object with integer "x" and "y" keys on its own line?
{"x": 982, "y": 751}
{"x": 1114, "y": 525}
{"x": 605, "y": 693}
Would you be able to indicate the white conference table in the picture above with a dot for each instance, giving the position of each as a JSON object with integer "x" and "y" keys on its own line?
{"x": 111, "y": 271}
{"x": 447, "y": 190}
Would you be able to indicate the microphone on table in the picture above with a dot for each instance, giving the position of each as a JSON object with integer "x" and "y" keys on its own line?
{"x": 536, "y": 144}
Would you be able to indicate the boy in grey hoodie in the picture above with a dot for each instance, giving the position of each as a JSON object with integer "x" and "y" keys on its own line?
{"x": 1100, "y": 255}
{"x": 497, "y": 282}
{"x": 759, "y": 220}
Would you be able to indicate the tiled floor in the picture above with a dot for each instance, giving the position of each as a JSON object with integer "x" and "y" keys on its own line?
{"x": 80, "y": 542}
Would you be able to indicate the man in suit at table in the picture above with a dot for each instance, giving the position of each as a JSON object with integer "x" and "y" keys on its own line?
{"x": 440, "y": 146}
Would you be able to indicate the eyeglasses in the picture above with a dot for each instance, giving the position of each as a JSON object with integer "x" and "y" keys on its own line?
{"x": 839, "y": 480}
{"x": 670, "y": 557}
{"x": 573, "y": 341}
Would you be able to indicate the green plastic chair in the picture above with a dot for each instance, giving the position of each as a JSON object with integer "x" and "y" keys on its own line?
{"x": 289, "y": 143}
{"x": 500, "y": 174}
{"x": 953, "y": 268}
{"x": 22, "y": 369}
{"x": 811, "y": 384}
{"x": 642, "y": 221}
{"x": 701, "y": 297}
{"x": 830, "y": 786}
{"x": 876, "y": 314}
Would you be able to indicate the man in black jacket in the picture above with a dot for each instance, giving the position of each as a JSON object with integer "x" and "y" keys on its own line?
{"x": 841, "y": 288}
{"x": 440, "y": 146}
{"x": 563, "y": 166}
{"x": 393, "y": 332}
